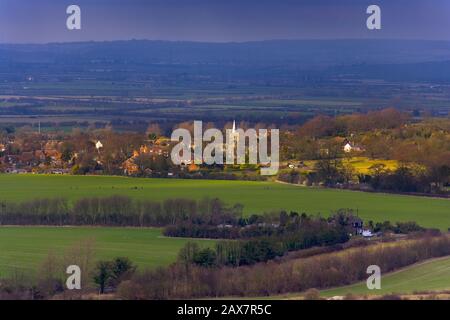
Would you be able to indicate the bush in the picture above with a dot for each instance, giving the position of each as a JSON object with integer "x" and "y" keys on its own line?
{"x": 312, "y": 294}
{"x": 109, "y": 274}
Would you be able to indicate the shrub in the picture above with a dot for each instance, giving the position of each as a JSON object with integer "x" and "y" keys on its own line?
{"x": 312, "y": 294}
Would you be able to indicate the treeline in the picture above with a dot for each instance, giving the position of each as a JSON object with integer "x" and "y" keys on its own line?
{"x": 118, "y": 211}
{"x": 272, "y": 224}
{"x": 186, "y": 281}
{"x": 404, "y": 179}
{"x": 252, "y": 251}
{"x": 267, "y": 237}
{"x": 262, "y": 242}
{"x": 407, "y": 179}
{"x": 322, "y": 126}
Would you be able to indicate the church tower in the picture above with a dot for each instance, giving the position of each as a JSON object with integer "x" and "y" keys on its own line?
{"x": 234, "y": 133}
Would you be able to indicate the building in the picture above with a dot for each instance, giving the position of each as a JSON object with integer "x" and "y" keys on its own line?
{"x": 98, "y": 145}
{"x": 193, "y": 167}
{"x": 357, "y": 225}
{"x": 350, "y": 147}
{"x": 130, "y": 167}
{"x": 367, "y": 234}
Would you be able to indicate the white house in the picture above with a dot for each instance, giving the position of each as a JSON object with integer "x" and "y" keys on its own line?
{"x": 98, "y": 145}
{"x": 367, "y": 234}
{"x": 351, "y": 147}
{"x": 348, "y": 147}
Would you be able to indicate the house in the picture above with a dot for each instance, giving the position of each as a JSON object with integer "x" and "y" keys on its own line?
{"x": 350, "y": 147}
{"x": 98, "y": 145}
{"x": 153, "y": 150}
{"x": 130, "y": 167}
{"x": 193, "y": 167}
{"x": 55, "y": 156}
{"x": 357, "y": 225}
{"x": 367, "y": 234}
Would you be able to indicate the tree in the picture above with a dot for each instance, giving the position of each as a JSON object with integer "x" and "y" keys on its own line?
{"x": 67, "y": 151}
{"x": 122, "y": 268}
{"x": 103, "y": 274}
{"x": 111, "y": 273}
{"x": 153, "y": 131}
{"x": 205, "y": 258}
{"x": 188, "y": 252}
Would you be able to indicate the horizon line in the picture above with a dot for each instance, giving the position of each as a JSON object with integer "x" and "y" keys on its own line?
{"x": 224, "y": 42}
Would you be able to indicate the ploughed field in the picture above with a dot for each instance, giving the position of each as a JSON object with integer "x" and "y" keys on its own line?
{"x": 257, "y": 197}
{"x": 24, "y": 249}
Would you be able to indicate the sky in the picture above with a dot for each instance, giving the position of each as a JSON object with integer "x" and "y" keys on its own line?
{"x": 41, "y": 21}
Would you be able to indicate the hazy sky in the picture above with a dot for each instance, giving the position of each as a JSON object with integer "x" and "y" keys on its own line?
{"x": 221, "y": 20}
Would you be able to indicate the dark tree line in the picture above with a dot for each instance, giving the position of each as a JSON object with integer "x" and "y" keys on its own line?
{"x": 260, "y": 242}
{"x": 117, "y": 211}
{"x": 406, "y": 179}
{"x": 273, "y": 224}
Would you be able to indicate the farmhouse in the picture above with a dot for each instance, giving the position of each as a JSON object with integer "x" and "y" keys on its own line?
{"x": 367, "y": 234}
{"x": 350, "y": 147}
{"x": 98, "y": 145}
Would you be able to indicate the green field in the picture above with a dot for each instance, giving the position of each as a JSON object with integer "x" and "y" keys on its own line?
{"x": 24, "y": 248}
{"x": 433, "y": 275}
{"x": 257, "y": 197}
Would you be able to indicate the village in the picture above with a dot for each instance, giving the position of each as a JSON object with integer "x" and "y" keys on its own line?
{"x": 52, "y": 157}
{"x": 323, "y": 152}
{"x": 49, "y": 153}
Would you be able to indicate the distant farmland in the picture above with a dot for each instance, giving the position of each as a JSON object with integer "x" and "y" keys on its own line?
{"x": 257, "y": 197}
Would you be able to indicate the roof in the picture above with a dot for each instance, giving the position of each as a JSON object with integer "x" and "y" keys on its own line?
{"x": 367, "y": 233}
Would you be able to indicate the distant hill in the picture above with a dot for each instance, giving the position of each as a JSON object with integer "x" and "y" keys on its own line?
{"x": 306, "y": 53}
{"x": 287, "y": 61}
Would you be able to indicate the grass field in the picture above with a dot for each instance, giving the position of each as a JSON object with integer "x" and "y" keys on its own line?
{"x": 257, "y": 197}
{"x": 363, "y": 164}
{"x": 24, "y": 248}
{"x": 433, "y": 275}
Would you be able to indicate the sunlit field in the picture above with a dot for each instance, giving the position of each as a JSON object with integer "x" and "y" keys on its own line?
{"x": 257, "y": 197}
